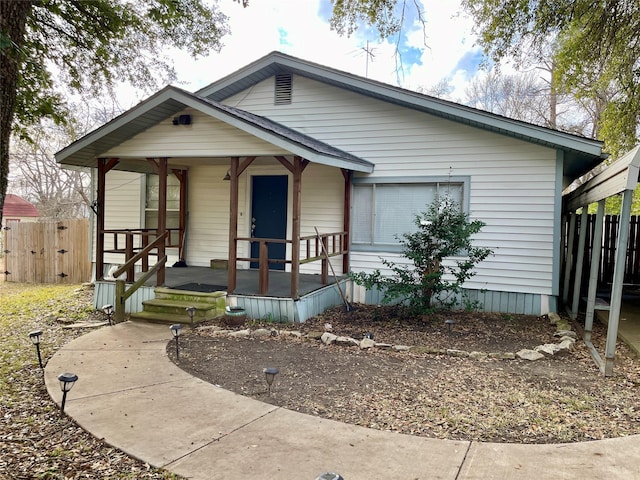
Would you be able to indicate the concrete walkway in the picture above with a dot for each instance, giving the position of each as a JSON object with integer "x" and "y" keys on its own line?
{"x": 130, "y": 394}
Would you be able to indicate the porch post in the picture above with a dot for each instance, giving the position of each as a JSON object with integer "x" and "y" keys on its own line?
{"x": 298, "y": 167}
{"x": 577, "y": 281}
{"x": 346, "y": 222}
{"x": 596, "y": 251}
{"x": 183, "y": 177}
{"x": 233, "y": 225}
{"x": 162, "y": 215}
{"x": 103, "y": 167}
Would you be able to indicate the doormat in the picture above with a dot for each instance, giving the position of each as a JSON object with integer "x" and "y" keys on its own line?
{"x": 201, "y": 287}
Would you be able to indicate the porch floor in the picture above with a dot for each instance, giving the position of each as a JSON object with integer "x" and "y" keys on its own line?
{"x": 204, "y": 278}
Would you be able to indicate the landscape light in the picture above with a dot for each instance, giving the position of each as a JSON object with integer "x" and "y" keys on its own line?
{"x": 449, "y": 323}
{"x": 269, "y": 374}
{"x": 67, "y": 381}
{"x": 108, "y": 310}
{"x": 35, "y": 339}
{"x": 175, "y": 329}
{"x": 191, "y": 312}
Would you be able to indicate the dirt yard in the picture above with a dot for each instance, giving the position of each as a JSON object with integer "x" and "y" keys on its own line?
{"x": 425, "y": 391}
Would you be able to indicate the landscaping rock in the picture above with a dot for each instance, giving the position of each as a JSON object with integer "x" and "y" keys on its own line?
{"x": 478, "y": 355}
{"x": 241, "y": 333}
{"x": 383, "y": 346}
{"x": 565, "y": 333}
{"x": 261, "y": 332}
{"x": 548, "y": 349}
{"x": 531, "y": 355}
{"x": 367, "y": 343}
{"x": 315, "y": 335}
{"x": 292, "y": 333}
{"x": 457, "y": 353}
{"x": 328, "y": 338}
{"x": 401, "y": 348}
{"x": 566, "y": 345}
{"x": 347, "y": 341}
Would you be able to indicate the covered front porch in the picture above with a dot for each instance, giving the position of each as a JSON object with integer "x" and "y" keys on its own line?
{"x": 215, "y": 156}
{"x": 276, "y": 305}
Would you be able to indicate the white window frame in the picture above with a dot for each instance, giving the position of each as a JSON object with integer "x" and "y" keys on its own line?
{"x": 441, "y": 184}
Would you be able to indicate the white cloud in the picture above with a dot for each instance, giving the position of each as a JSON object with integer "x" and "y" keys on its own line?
{"x": 295, "y": 28}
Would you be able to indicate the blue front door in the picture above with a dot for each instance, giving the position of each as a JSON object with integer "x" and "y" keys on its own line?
{"x": 269, "y": 216}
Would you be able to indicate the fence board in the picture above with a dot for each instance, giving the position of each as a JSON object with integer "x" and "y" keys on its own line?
{"x": 48, "y": 252}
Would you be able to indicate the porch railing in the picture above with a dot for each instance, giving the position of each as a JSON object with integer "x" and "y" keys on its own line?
{"x": 122, "y": 293}
{"x": 128, "y": 242}
{"x": 311, "y": 250}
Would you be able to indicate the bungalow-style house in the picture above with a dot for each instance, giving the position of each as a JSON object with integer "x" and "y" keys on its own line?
{"x": 257, "y": 171}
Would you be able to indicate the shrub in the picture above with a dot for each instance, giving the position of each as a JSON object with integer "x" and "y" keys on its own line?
{"x": 444, "y": 232}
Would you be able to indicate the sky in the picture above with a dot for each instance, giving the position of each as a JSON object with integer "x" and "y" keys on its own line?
{"x": 301, "y": 28}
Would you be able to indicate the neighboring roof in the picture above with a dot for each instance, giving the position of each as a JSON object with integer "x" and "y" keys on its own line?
{"x": 621, "y": 175}
{"x": 15, "y": 206}
{"x": 581, "y": 154}
{"x": 170, "y": 100}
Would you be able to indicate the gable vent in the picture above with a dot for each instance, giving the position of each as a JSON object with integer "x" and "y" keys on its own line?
{"x": 283, "y": 89}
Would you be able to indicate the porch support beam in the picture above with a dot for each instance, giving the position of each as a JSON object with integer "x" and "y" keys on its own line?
{"x": 162, "y": 214}
{"x": 299, "y": 164}
{"x": 104, "y": 165}
{"x": 183, "y": 177}
{"x": 233, "y": 224}
{"x": 346, "y": 219}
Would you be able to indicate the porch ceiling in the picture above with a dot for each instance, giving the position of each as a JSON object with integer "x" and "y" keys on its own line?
{"x": 171, "y": 100}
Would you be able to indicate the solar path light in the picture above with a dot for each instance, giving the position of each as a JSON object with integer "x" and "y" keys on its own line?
{"x": 191, "y": 312}
{"x": 175, "y": 329}
{"x": 449, "y": 323}
{"x": 269, "y": 374}
{"x": 329, "y": 476}
{"x": 67, "y": 381}
{"x": 35, "y": 339}
{"x": 108, "y": 310}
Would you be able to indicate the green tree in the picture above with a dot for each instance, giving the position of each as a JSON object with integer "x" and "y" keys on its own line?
{"x": 596, "y": 48}
{"x": 442, "y": 257}
{"x": 89, "y": 46}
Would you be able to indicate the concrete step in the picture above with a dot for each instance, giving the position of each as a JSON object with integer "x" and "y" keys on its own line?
{"x": 187, "y": 296}
{"x": 179, "y": 307}
{"x": 166, "y": 318}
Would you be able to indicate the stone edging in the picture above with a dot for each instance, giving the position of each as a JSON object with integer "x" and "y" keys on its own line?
{"x": 567, "y": 339}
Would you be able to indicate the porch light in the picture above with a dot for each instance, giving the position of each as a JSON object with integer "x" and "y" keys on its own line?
{"x": 67, "y": 381}
{"x": 191, "y": 312}
{"x": 449, "y": 322}
{"x": 108, "y": 310}
{"x": 35, "y": 339}
{"x": 227, "y": 176}
{"x": 269, "y": 374}
{"x": 175, "y": 330}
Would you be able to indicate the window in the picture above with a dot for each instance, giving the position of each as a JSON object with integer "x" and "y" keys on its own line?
{"x": 385, "y": 208}
{"x": 151, "y": 202}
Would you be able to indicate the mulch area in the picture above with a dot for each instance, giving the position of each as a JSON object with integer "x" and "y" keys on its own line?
{"x": 557, "y": 399}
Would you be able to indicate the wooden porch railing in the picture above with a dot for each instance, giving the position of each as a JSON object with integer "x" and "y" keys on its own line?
{"x": 310, "y": 251}
{"x": 122, "y": 293}
{"x": 124, "y": 242}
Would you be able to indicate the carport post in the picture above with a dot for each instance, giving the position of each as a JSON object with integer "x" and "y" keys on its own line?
{"x": 618, "y": 278}
{"x": 577, "y": 281}
{"x": 596, "y": 252}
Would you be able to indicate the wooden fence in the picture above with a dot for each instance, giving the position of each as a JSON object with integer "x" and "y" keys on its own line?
{"x": 47, "y": 252}
{"x": 607, "y": 255}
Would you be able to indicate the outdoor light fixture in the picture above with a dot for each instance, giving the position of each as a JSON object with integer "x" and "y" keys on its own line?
{"x": 368, "y": 335}
{"x": 35, "y": 339}
{"x": 175, "y": 329}
{"x": 269, "y": 374}
{"x": 329, "y": 476}
{"x": 449, "y": 323}
{"x": 108, "y": 310}
{"x": 67, "y": 381}
{"x": 191, "y": 312}
{"x": 227, "y": 177}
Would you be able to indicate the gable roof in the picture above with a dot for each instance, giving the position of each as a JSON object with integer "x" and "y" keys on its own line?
{"x": 581, "y": 154}
{"x": 15, "y": 206}
{"x": 171, "y": 100}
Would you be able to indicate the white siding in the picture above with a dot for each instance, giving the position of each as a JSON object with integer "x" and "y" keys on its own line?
{"x": 205, "y": 137}
{"x": 512, "y": 185}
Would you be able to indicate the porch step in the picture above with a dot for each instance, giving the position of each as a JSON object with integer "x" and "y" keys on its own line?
{"x": 170, "y": 306}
